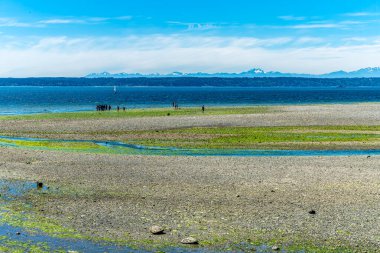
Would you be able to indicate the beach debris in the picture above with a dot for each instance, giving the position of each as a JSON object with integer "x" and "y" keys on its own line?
{"x": 312, "y": 212}
{"x": 276, "y": 248}
{"x": 40, "y": 185}
{"x": 368, "y": 156}
{"x": 156, "y": 230}
{"x": 189, "y": 240}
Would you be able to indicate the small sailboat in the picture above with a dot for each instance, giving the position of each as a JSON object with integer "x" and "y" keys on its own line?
{"x": 114, "y": 89}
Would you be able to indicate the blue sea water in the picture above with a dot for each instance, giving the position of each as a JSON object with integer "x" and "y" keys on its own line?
{"x": 39, "y": 99}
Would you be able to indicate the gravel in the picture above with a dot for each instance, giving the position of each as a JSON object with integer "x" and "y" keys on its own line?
{"x": 236, "y": 198}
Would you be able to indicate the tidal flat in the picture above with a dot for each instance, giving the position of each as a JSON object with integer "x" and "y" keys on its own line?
{"x": 227, "y": 203}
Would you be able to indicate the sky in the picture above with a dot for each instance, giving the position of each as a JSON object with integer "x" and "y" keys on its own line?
{"x": 76, "y": 37}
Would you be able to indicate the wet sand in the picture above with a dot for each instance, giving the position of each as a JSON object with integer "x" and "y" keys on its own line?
{"x": 215, "y": 199}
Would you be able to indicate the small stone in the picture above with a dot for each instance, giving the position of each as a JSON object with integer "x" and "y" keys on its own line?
{"x": 156, "y": 230}
{"x": 368, "y": 156}
{"x": 276, "y": 248}
{"x": 312, "y": 212}
{"x": 189, "y": 240}
{"x": 238, "y": 196}
{"x": 18, "y": 233}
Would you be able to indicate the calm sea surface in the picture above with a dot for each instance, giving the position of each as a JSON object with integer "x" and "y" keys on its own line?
{"x": 32, "y": 99}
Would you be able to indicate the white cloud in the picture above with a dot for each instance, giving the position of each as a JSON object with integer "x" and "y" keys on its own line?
{"x": 309, "y": 40}
{"x": 88, "y": 20}
{"x": 195, "y": 26}
{"x": 11, "y": 22}
{"x": 123, "y": 18}
{"x": 362, "y": 14}
{"x": 62, "y": 21}
{"x": 291, "y": 18}
{"x": 315, "y": 26}
{"x": 64, "y": 56}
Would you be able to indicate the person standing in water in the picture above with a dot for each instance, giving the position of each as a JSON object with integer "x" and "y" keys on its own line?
{"x": 203, "y": 108}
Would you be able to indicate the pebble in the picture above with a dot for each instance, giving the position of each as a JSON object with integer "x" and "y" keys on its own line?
{"x": 156, "y": 230}
{"x": 275, "y": 248}
{"x": 312, "y": 212}
{"x": 189, "y": 240}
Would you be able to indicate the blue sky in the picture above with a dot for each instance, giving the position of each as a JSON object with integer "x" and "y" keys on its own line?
{"x": 74, "y": 38}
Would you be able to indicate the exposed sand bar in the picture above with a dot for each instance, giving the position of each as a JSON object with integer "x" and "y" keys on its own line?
{"x": 348, "y": 114}
{"x": 215, "y": 199}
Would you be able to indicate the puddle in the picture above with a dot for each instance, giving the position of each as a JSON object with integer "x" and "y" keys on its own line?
{"x": 131, "y": 149}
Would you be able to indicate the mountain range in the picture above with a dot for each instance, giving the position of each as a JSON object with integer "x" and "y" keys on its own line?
{"x": 255, "y": 72}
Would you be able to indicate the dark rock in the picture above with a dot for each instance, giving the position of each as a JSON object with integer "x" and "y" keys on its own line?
{"x": 40, "y": 185}
{"x": 312, "y": 212}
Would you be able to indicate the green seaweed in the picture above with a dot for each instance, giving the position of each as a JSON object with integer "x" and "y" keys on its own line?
{"x": 294, "y": 137}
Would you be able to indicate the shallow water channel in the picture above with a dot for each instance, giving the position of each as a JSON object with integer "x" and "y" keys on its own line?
{"x": 131, "y": 149}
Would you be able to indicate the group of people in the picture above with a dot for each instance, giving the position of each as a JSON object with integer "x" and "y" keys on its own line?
{"x": 103, "y": 108}
{"x": 107, "y": 108}
{"x": 118, "y": 108}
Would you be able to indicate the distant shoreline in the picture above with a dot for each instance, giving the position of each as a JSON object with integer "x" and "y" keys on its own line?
{"x": 194, "y": 82}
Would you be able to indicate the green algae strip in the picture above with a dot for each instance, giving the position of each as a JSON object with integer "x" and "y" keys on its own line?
{"x": 203, "y": 138}
{"x": 149, "y": 112}
{"x": 55, "y": 145}
{"x": 51, "y": 144}
{"x": 262, "y": 137}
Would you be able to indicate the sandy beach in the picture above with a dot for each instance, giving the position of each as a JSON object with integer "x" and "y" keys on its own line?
{"x": 218, "y": 200}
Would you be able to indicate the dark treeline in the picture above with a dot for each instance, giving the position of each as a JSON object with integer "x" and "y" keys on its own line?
{"x": 195, "y": 82}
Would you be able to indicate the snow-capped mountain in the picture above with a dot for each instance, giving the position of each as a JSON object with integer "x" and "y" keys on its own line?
{"x": 255, "y": 72}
